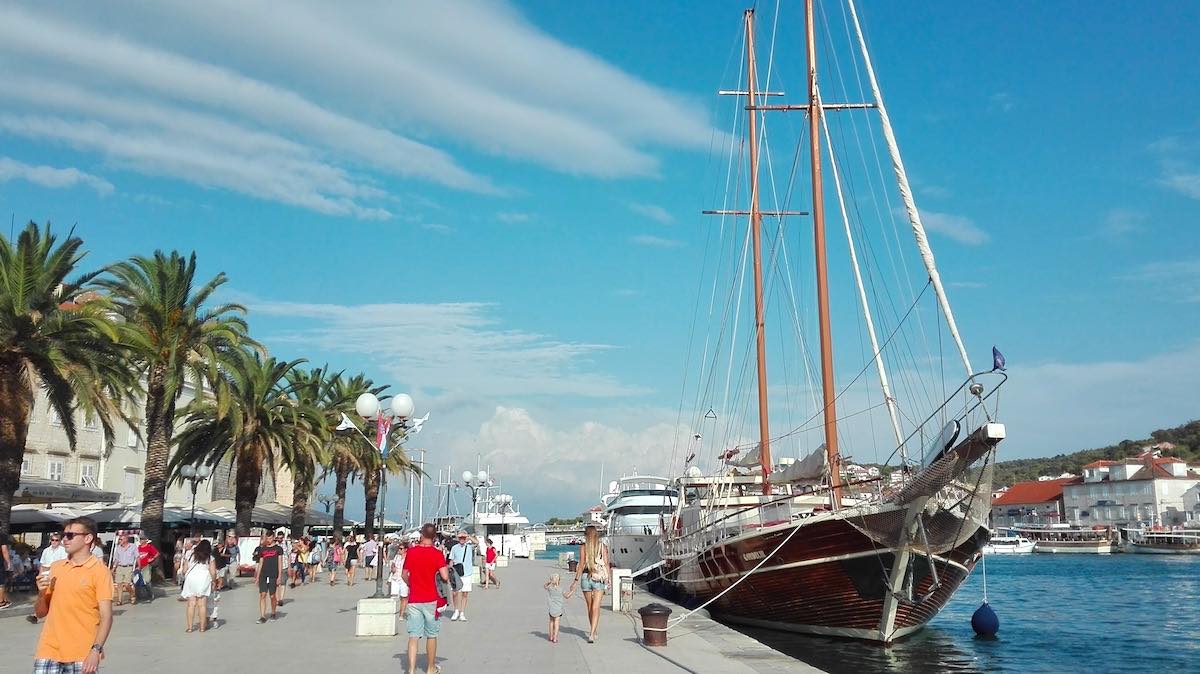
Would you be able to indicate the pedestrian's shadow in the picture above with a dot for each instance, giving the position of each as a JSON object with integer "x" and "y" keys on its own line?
{"x": 422, "y": 659}
{"x": 573, "y": 630}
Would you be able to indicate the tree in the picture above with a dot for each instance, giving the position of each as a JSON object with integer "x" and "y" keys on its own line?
{"x": 259, "y": 425}
{"x": 347, "y": 449}
{"x": 173, "y": 336}
{"x": 56, "y": 335}
{"x": 310, "y": 388}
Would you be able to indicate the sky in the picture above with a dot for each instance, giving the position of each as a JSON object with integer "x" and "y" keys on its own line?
{"x": 495, "y": 206}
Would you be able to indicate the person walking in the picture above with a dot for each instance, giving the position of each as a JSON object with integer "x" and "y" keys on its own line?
{"x": 593, "y": 569}
{"x": 6, "y": 568}
{"x": 421, "y": 565}
{"x": 334, "y": 558}
{"x": 489, "y": 566}
{"x": 316, "y": 556}
{"x": 462, "y": 558}
{"x": 75, "y": 597}
{"x": 269, "y": 557}
{"x": 352, "y": 553}
{"x": 125, "y": 558}
{"x": 221, "y": 558}
{"x": 554, "y": 605}
{"x": 235, "y": 560}
{"x": 50, "y": 554}
{"x": 282, "y": 542}
{"x": 147, "y": 555}
{"x": 199, "y": 577}
{"x": 369, "y": 550}
{"x": 399, "y": 589}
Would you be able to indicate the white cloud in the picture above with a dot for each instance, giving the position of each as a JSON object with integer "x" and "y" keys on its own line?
{"x": 1182, "y": 179}
{"x": 437, "y": 227}
{"x": 375, "y": 85}
{"x": 1121, "y": 222}
{"x": 969, "y": 285}
{"x": 654, "y": 241}
{"x": 511, "y": 217}
{"x": 1177, "y": 169}
{"x": 49, "y": 176}
{"x": 459, "y": 348}
{"x": 1176, "y": 280}
{"x": 958, "y": 227}
{"x": 656, "y": 213}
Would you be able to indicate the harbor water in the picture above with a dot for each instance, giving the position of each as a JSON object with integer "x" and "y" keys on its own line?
{"x": 1058, "y": 613}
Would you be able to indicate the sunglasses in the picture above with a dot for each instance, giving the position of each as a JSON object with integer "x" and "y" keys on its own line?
{"x": 70, "y": 535}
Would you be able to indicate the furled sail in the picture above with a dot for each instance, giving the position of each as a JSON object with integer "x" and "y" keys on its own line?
{"x": 812, "y": 469}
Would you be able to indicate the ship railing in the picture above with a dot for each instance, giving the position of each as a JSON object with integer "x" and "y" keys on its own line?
{"x": 964, "y": 405}
{"x": 648, "y": 530}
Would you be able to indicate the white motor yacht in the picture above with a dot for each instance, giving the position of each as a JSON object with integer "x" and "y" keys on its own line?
{"x": 635, "y": 508}
{"x": 1009, "y": 544}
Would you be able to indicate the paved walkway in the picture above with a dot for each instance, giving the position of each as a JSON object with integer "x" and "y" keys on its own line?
{"x": 315, "y": 632}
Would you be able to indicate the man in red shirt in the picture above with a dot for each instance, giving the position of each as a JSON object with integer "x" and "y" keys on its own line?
{"x": 422, "y": 564}
{"x": 147, "y": 555}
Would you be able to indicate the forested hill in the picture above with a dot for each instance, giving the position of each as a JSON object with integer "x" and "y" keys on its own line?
{"x": 1186, "y": 439}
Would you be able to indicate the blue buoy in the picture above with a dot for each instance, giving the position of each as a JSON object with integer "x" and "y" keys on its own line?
{"x": 984, "y": 621}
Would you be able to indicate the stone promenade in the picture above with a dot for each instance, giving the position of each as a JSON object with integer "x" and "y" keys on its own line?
{"x": 506, "y": 632}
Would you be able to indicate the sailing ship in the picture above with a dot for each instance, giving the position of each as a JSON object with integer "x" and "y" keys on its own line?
{"x": 801, "y": 545}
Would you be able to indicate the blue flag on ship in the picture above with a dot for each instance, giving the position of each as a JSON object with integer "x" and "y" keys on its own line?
{"x": 997, "y": 360}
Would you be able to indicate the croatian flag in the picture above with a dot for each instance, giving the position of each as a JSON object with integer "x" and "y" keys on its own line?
{"x": 382, "y": 429}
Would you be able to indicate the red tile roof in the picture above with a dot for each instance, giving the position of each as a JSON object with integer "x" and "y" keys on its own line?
{"x": 1034, "y": 491}
{"x": 1100, "y": 464}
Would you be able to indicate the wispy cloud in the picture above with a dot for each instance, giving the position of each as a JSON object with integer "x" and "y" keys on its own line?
{"x": 967, "y": 285}
{"x": 1001, "y": 101}
{"x": 437, "y": 227}
{"x": 1175, "y": 280}
{"x": 1178, "y": 165}
{"x": 654, "y": 241}
{"x": 458, "y": 347}
{"x": 1119, "y": 223}
{"x": 957, "y": 227}
{"x": 652, "y": 211}
{"x": 49, "y": 176}
{"x": 362, "y": 84}
{"x": 512, "y": 217}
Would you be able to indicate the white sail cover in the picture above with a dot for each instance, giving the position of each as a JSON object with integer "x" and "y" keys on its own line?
{"x": 812, "y": 469}
{"x": 750, "y": 460}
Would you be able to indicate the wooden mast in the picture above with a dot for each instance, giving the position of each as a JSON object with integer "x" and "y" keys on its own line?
{"x": 822, "y": 267}
{"x": 764, "y": 428}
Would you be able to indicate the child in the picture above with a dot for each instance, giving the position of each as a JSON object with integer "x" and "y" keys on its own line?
{"x": 554, "y": 601}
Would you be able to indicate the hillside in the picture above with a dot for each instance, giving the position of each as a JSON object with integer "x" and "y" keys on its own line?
{"x": 1186, "y": 439}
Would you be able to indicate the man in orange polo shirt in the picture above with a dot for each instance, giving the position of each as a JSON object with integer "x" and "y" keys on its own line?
{"x": 76, "y": 600}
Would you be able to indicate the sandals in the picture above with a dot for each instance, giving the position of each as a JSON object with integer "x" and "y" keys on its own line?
{"x": 262, "y": 620}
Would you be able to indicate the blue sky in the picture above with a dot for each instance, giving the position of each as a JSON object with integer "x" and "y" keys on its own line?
{"x": 495, "y": 206}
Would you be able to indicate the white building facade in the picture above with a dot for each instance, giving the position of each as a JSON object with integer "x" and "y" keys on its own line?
{"x": 1149, "y": 490}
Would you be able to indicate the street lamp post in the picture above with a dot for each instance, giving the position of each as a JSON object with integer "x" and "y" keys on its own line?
{"x": 475, "y": 482}
{"x": 503, "y": 504}
{"x": 400, "y": 409}
{"x": 327, "y": 500}
{"x": 195, "y": 475}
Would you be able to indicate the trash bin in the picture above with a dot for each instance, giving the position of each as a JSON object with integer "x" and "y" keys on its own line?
{"x": 572, "y": 565}
{"x": 654, "y": 616}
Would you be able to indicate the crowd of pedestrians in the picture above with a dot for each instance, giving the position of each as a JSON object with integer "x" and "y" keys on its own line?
{"x": 431, "y": 578}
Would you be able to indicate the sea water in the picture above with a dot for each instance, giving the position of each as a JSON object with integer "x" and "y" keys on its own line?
{"x": 1058, "y": 613}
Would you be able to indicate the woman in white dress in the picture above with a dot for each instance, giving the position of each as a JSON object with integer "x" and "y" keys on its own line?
{"x": 199, "y": 576}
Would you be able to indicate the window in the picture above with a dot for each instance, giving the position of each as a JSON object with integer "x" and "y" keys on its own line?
{"x": 87, "y": 474}
{"x": 26, "y": 466}
{"x": 130, "y": 490}
{"x": 132, "y": 439}
{"x": 54, "y": 418}
{"x": 54, "y": 470}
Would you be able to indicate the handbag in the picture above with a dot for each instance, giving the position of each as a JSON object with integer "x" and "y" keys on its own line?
{"x": 458, "y": 566}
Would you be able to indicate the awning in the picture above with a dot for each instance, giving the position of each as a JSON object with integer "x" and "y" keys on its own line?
{"x": 27, "y": 518}
{"x": 40, "y": 490}
{"x": 118, "y": 516}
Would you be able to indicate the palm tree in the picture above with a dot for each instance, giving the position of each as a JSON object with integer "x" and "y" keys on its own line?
{"x": 55, "y": 335}
{"x": 173, "y": 337}
{"x": 397, "y": 462}
{"x": 348, "y": 450}
{"x": 261, "y": 425}
{"x": 309, "y": 387}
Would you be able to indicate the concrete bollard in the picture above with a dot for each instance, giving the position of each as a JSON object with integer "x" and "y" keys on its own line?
{"x": 654, "y": 616}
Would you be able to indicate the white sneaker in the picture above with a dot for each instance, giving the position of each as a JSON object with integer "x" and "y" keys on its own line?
{"x": 455, "y": 616}
{"x": 463, "y": 617}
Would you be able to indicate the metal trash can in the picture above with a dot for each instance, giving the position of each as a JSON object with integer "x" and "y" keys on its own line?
{"x": 654, "y": 616}
{"x": 572, "y": 565}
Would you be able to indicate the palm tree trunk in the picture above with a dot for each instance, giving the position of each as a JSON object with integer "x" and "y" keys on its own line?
{"x": 16, "y": 404}
{"x": 245, "y": 493}
{"x": 160, "y": 426}
{"x": 342, "y": 475}
{"x": 302, "y": 487}
{"x": 371, "y": 490}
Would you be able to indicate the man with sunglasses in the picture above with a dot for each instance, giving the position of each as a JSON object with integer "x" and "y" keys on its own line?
{"x": 75, "y": 596}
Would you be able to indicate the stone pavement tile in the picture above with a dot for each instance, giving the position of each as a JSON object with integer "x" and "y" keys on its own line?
{"x": 506, "y": 632}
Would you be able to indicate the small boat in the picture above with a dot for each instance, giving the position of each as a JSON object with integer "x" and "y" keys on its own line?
{"x": 1163, "y": 542}
{"x": 1066, "y": 539}
{"x": 1008, "y": 545}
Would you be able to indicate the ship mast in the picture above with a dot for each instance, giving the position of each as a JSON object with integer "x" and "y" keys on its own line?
{"x": 822, "y": 267}
{"x": 764, "y": 428}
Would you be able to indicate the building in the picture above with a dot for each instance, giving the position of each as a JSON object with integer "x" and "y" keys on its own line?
{"x": 1191, "y": 505}
{"x": 1147, "y": 489}
{"x": 1031, "y": 502}
{"x": 594, "y": 515}
{"x": 119, "y": 465}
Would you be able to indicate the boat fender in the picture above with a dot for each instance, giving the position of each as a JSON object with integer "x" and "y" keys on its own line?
{"x": 984, "y": 621}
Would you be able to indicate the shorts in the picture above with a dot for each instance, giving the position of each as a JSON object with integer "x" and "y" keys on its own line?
{"x": 45, "y": 666}
{"x": 421, "y": 621}
{"x": 351, "y": 563}
{"x": 123, "y": 575}
{"x": 466, "y": 582}
{"x": 490, "y": 566}
{"x": 267, "y": 584}
{"x": 369, "y": 561}
{"x": 589, "y": 585}
{"x": 399, "y": 588}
